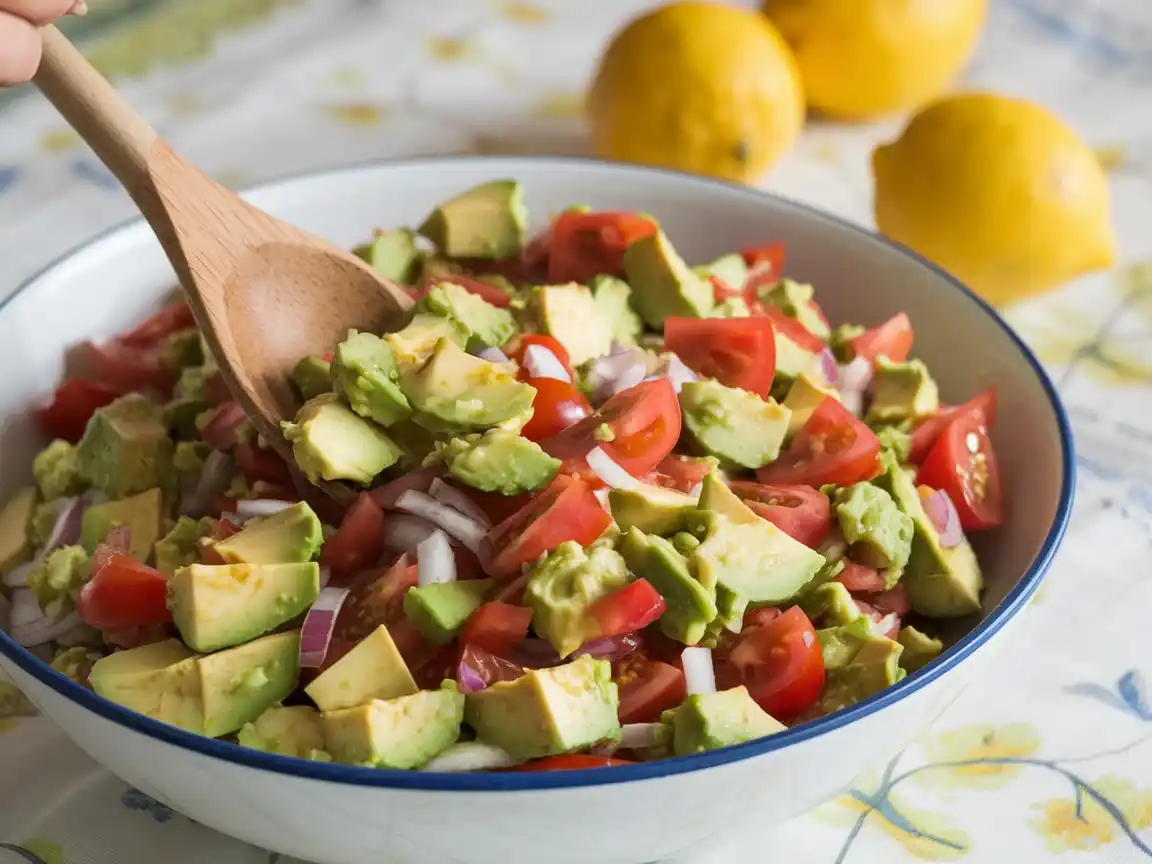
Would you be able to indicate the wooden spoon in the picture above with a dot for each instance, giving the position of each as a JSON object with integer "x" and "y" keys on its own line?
{"x": 264, "y": 293}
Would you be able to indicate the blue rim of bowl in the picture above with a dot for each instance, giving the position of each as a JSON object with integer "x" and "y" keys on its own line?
{"x": 528, "y": 781}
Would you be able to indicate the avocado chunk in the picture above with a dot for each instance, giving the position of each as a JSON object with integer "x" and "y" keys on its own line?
{"x": 563, "y": 585}
{"x": 878, "y": 530}
{"x": 572, "y": 316}
{"x": 737, "y": 427}
{"x": 293, "y": 731}
{"x": 180, "y": 546}
{"x": 404, "y": 732}
{"x": 142, "y": 514}
{"x": 498, "y": 461}
{"x": 59, "y": 577}
{"x": 730, "y": 269}
{"x": 126, "y": 448}
{"x": 441, "y": 609}
{"x": 183, "y": 350}
{"x": 548, "y": 711}
{"x": 291, "y": 536}
{"x": 792, "y": 361}
{"x": 651, "y": 509}
{"x": 331, "y": 442}
{"x": 842, "y": 338}
{"x": 179, "y": 417}
{"x": 874, "y": 668}
{"x": 663, "y": 285}
{"x": 189, "y": 457}
{"x": 794, "y": 299}
{"x": 239, "y": 684}
{"x": 691, "y": 599}
{"x": 218, "y": 606}
{"x": 365, "y": 374}
{"x": 488, "y": 325}
{"x": 840, "y": 643}
{"x": 804, "y": 397}
{"x": 76, "y": 662}
{"x": 920, "y": 649}
{"x": 896, "y": 441}
{"x": 161, "y": 681}
{"x": 487, "y": 221}
{"x": 312, "y": 377}
{"x": 392, "y": 254}
{"x": 57, "y": 471}
{"x": 413, "y": 345}
{"x": 455, "y": 390}
{"x": 714, "y": 720}
{"x": 614, "y": 299}
{"x": 414, "y": 442}
{"x": 902, "y": 391}
{"x": 373, "y": 669}
{"x": 731, "y": 307}
{"x": 15, "y": 520}
{"x": 831, "y": 603}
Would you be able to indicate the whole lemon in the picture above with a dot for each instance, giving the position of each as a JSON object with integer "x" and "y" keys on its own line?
{"x": 998, "y": 191}
{"x": 862, "y": 58}
{"x": 701, "y": 87}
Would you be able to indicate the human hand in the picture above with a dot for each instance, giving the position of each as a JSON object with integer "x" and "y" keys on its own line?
{"x": 20, "y": 46}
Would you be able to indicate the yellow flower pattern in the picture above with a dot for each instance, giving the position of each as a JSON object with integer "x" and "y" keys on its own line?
{"x": 968, "y": 756}
{"x": 1066, "y": 827}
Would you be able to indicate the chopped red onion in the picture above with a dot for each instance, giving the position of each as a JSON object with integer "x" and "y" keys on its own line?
{"x": 435, "y": 562}
{"x": 258, "y": 507}
{"x": 637, "y": 736}
{"x": 65, "y": 532}
{"x": 492, "y": 355}
{"x": 214, "y": 478}
{"x": 542, "y": 363}
{"x": 403, "y": 533}
{"x": 609, "y": 647}
{"x": 946, "y": 520}
{"x": 699, "y": 673}
{"x": 829, "y": 367}
{"x": 468, "y": 531}
{"x": 471, "y": 756}
{"x": 468, "y": 679}
{"x": 855, "y": 376}
{"x": 457, "y": 500}
{"x": 319, "y": 625}
{"x": 478, "y": 668}
{"x": 604, "y": 467}
{"x": 883, "y": 626}
{"x": 45, "y": 629}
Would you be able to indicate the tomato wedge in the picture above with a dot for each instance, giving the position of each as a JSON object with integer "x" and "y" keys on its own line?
{"x": 892, "y": 339}
{"x": 801, "y": 512}
{"x": 790, "y": 328}
{"x": 894, "y": 600}
{"x": 857, "y": 577}
{"x": 769, "y": 253}
{"x": 556, "y": 406}
{"x": 358, "y": 543}
{"x": 160, "y": 325}
{"x": 737, "y": 352}
{"x": 259, "y": 464}
{"x": 515, "y": 351}
{"x": 574, "y": 762}
{"x": 72, "y": 406}
{"x": 472, "y": 285}
{"x": 833, "y": 447}
{"x": 628, "y": 609}
{"x": 128, "y": 367}
{"x": 647, "y": 688}
{"x": 376, "y": 597}
{"x": 925, "y": 435}
{"x": 123, "y": 592}
{"x": 963, "y": 463}
{"x": 219, "y": 429}
{"x": 681, "y": 473}
{"x": 497, "y": 627}
{"x": 721, "y": 290}
{"x": 586, "y": 245}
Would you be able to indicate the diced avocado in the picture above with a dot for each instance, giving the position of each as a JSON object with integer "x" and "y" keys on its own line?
{"x": 60, "y": 577}
{"x": 415, "y": 443}
{"x": 614, "y": 298}
{"x": 161, "y": 681}
{"x": 571, "y": 314}
{"x": 651, "y": 509}
{"x": 717, "y": 498}
{"x": 691, "y": 598}
{"x": 365, "y": 373}
{"x": 413, "y": 345}
{"x": 41, "y": 524}
{"x": 291, "y": 536}
{"x": 794, "y": 299}
{"x": 498, "y": 461}
{"x": 839, "y": 644}
{"x": 920, "y": 649}
{"x": 373, "y": 669}
{"x": 723, "y": 719}
{"x": 143, "y": 515}
{"x": 332, "y": 442}
{"x": 830, "y": 603}
{"x": 878, "y": 530}
{"x": 189, "y": 456}
{"x": 489, "y": 326}
{"x": 312, "y": 377}
{"x": 76, "y": 662}
{"x": 662, "y": 284}
{"x": 841, "y": 340}
{"x": 179, "y": 417}
{"x": 902, "y": 391}
{"x": 685, "y": 543}
{"x": 896, "y": 441}
{"x": 548, "y": 711}
{"x": 441, "y": 609}
{"x": 392, "y": 254}
{"x": 737, "y": 427}
{"x": 729, "y": 268}
{"x": 403, "y": 733}
{"x": 183, "y": 350}
{"x": 804, "y": 397}
{"x": 126, "y": 448}
{"x": 57, "y": 471}
{"x": 218, "y": 606}
{"x": 239, "y": 684}
{"x": 293, "y": 731}
{"x": 190, "y": 384}
{"x": 15, "y": 520}
{"x": 487, "y": 221}
{"x": 564, "y": 584}
{"x": 874, "y": 668}
{"x": 730, "y": 609}
{"x": 457, "y": 390}
{"x": 731, "y": 307}
{"x": 180, "y": 546}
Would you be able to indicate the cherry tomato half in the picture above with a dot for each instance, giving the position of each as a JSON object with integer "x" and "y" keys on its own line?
{"x": 892, "y": 339}
{"x": 72, "y": 406}
{"x": 737, "y": 352}
{"x": 833, "y": 447}
{"x": 963, "y": 463}
{"x": 801, "y": 512}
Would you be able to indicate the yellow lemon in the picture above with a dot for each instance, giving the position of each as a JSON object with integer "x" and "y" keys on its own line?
{"x": 998, "y": 191}
{"x": 701, "y": 87}
{"x": 861, "y": 58}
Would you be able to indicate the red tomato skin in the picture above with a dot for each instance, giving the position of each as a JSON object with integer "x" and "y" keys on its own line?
{"x": 809, "y": 461}
{"x": 497, "y": 627}
{"x": 790, "y": 328}
{"x": 376, "y": 597}
{"x": 648, "y": 688}
{"x": 128, "y": 367}
{"x": 219, "y": 430}
{"x": 857, "y": 577}
{"x": 892, "y": 339}
{"x": 737, "y": 352}
{"x": 160, "y": 325}
{"x": 259, "y": 464}
{"x": 515, "y": 351}
{"x": 123, "y": 592}
{"x": 681, "y": 473}
{"x": 628, "y": 609}
{"x": 771, "y": 253}
{"x": 556, "y": 406}
{"x": 585, "y": 245}
{"x": 894, "y": 599}
{"x": 72, "y": 406}
{"x": 927, "y": 433}
{"x": 801, "y": 512}
{"x": 952, "y": 466}
{"x": 358, "y": 543}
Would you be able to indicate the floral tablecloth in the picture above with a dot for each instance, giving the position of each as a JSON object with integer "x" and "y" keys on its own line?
{"x": 1051, "y": 756}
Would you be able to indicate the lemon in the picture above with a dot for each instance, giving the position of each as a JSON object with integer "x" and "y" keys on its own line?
{"x": 998, "y": 191}
{"x": 862, "y": 58}
{"x": 700, "y": 87}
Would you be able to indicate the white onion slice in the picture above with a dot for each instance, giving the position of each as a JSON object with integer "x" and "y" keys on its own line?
{"x": 18, "y": 577}
{"x": 451, "y": 521}
{"x": 637, "y": 736}
{"x": 855, "y": 376}
{"x": 257, "y": 507}
{"x": 616, "y": 371}
{"x": 319, "y": 625}
{"x": 604, "y": 467}
{"x": 403, "y": 533}
{"x": 697, "y": 490}
{"x": 699, "y": 673}
{"x": 829, "y": 367}
{"x": 881, "y": 626}
{"x": 946, "y": 520}
{"x": 673, "y": 368}
{"x": 214, "y": 478}
{"x": 492, "y": 355}
{"x": 25, "y": 609}
{"x": 471, "y": 756}
{"x": 602, "y": 497}
{"x": 44, "y": 630}
{"x": 325, "y": 575}
{"x": 458, "y": 501}
{"x": 542, "y": 363}
{"x": 853, "y": 400}
{"x": 434, "y": 559}
{"x": 629, "y": 378}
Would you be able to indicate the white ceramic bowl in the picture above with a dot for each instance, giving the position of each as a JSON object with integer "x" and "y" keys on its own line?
{"x": 336, "y": 814}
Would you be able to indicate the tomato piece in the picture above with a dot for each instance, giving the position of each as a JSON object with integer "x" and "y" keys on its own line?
{"x": 261, "y": 464}
{"x": 737, "y": 352}
{"x": 376, "y": 597}
{"x": 566, "y": 509}
{"x": 219, "y": 430}
{"x": 790, "y": 328}
{"x": 123, "y": 592}
{"x": 556, "y": 406}
{"x": 358, "y": 543}
{"x": 648, "y": 688}
{"x": 890, "y": 621}
{"x": 419, "y": 480}
{"x": 760, "y": 617}
{"x": 963, "y": 463}
{"x": 136, "y": 635}
{"x": 925, "y": 435}
{"x": 216, "y": 390}
{"x": 128, "y": 367}
{"x": 833, "y": 447}
{"x": 160, "y": 325}
{"x": 72, "y": 406}
{"x": 585, "y": 245}
{"x": 801, "y": 512}
{"x": 512, "y": 592}
{"x": 497, "y": 627}
{"x": 895, "y": 600}
{"x": 857, "y": 577}
{"x": 628, "y": 609}
{"x": 573, "y": 762}
{"x": 681, "y": 473}
{"x": 645, "y": 424}
{"x": 892, "y": 339}
{"x": 771, "y": 254}
{"x": 515, "y": 350}
{"x": 468, "y": 564}
{"x": 483, "y": 290}
{"x": 780, "y": 662}
{"x": 496, "y": 507}
{"x": 721, "y": 290}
